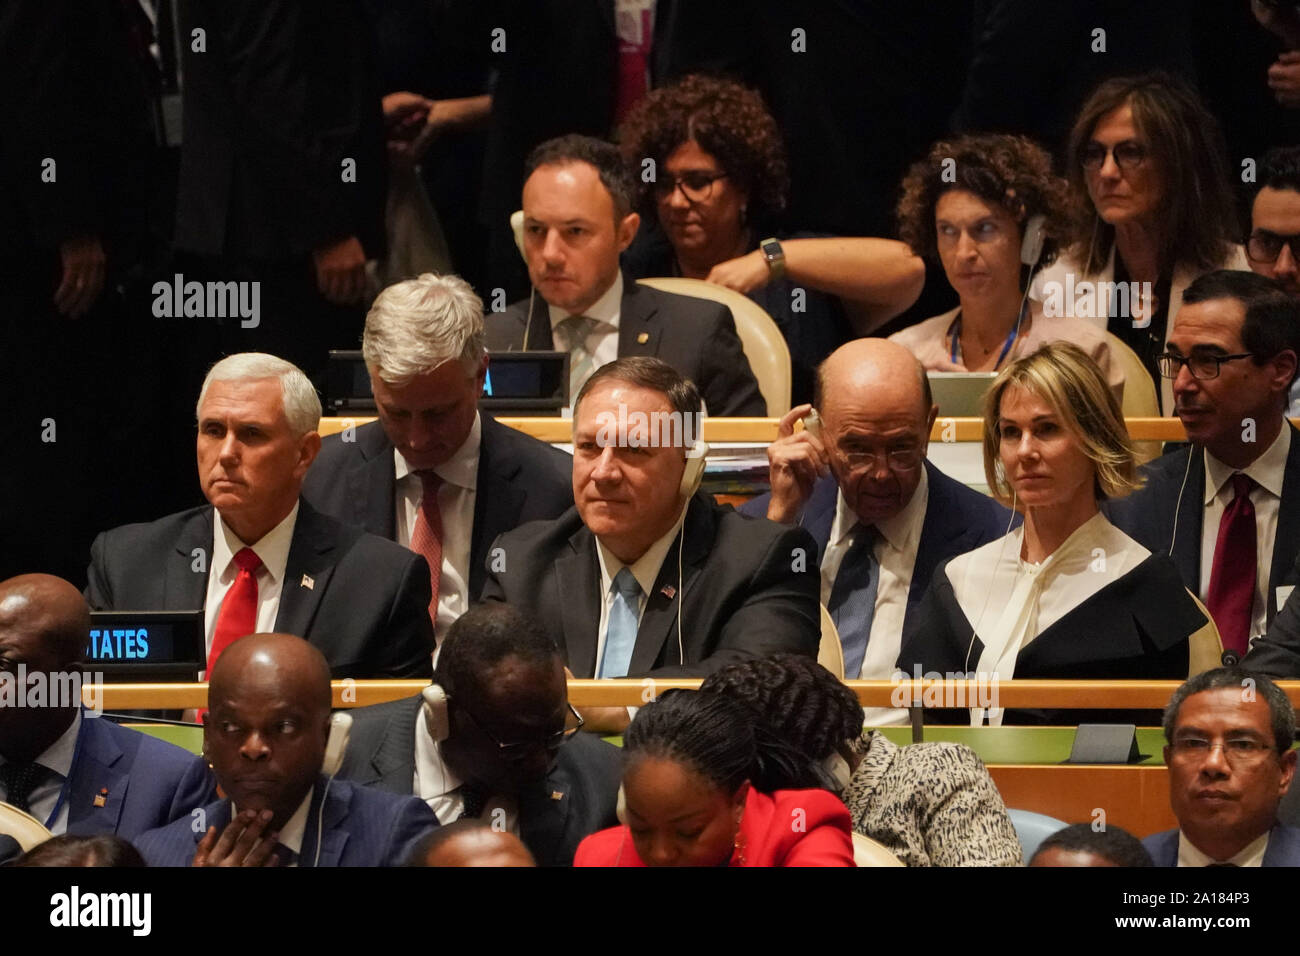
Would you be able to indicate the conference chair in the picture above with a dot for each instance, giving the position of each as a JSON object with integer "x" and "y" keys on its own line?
{"x": 830, "y": 652}
{"x": 1140, "y": 398}
{"x": 1032, "y": 829}
{"x": 23, "y": 827}
{"x": 867, "y": 852}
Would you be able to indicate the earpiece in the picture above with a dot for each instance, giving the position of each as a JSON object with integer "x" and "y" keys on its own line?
{"x": 337, "y": 744}
{"x": 1031, "y": 246}
{"x": 435, "y": 712}
{"x": 694, "y": 473}
{"x": 1178, "y": 503}
{"x": 620, "y": 806}
{"x": 812, "y": 424}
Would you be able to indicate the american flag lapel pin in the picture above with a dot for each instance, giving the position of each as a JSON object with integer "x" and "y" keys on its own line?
{"x": 668, "y": 591}
{"x": 308, "y": 582}
{"x": 101, "y": 798}
{"x": 557, "y": 794}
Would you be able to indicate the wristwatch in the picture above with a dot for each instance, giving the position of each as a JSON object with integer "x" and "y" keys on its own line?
{"x": 775, "y": 257}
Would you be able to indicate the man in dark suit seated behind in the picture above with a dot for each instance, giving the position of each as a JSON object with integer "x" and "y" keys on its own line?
{"x": 434, "y": 462}
{"x": 266, "y": 738}
{"x": 609, "y": 580}
{"x": 76, "y": 771}
{"x": 883, "y": 517}
{"x": 494, "y": 739}
{"x": 1229, "y": 734}
{"x": 258, "y": 557}
{"x": 1227, "y": 507}
{"x": 578, "y": 218}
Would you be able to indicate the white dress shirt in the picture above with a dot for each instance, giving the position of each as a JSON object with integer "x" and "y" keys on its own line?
{"x": 294, "y": 829}
{"x": 1268, "y": 470}
{"x": 895, "y": 550}
{"x": 602, "y": 343}
{"x": 437, "y": 785}
{"x": 273, "y": 549}
{"x": 646, "y": 571}
{"x": 1009, "y": 601}
{"x": 456, "y": 497}
{"x": 1252, "y": 854}
{"x": 57, "y": 758}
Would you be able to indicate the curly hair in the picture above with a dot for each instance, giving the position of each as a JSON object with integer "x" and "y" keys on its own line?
{"x": 725, "y": 119}
{"x": 796, "y": 697}
{"x": 1011, "y": 171}
{"x": 1199, "y": 218}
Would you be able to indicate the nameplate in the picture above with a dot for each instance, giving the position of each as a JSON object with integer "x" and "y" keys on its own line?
{"x": 1105, "y": 743}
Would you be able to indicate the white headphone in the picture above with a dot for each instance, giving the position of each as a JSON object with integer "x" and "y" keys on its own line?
{"x": 435, "y": 712}
{"x": 692, "y": 477}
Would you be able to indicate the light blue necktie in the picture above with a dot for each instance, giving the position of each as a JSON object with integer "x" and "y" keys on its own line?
{"x": 620, "y": 635}
{"x": 853, "y": 598}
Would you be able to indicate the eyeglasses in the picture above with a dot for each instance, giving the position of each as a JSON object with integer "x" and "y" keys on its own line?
{"x": 1128, "y": 155}
{"x": 1265, "y": 246}
{"x": 696, "y": 185}
{"x": 1203, "y": 365}
{"x": 1239, "y": 751}
{"x": 518, "y": 749}
{"x": 900, "y": 460}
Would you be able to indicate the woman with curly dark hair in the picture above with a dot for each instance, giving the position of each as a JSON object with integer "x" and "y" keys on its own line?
{"x": 979, "y": 204}
{"x": 712, "y": 165}
{"x": 1147, "y": 168}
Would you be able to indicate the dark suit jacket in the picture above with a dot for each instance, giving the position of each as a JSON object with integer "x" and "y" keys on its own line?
{"x": 749, "y": 588}
{"x": 367, "y": 608}
{"x": 575, "y": 799}
{"x": 695, "y": 336}
{"x": 1147, "y": 516}
{"x": 362, "y": 827}
{"x": 957, "y": 520}
{"x": 269, "y": 120}
{"x": 149, "y": 782}
{"x": 1277, "y": 652}
{"x": 519, "y": 479}
{"x": 1283, "y": 847}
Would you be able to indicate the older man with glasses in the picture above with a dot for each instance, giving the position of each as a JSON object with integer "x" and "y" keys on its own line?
{"x": 1227, "y": 508}
{"x": 494, "y": 738}
{"x": 883, "y": 517}
{"x": 1229, "y": 734}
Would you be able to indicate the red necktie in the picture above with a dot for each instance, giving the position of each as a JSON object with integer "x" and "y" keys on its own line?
{"x": 426, "y": 536}
{"x": 634, "y": 42}
{"x": 1231, "y": 597}
{"x": 238, "y": 614}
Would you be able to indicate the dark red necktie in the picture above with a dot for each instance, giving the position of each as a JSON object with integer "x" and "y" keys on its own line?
{"x": 1231, "y": 596}
{"x": 238, "y": 614}
{"x": 426, "y": 536}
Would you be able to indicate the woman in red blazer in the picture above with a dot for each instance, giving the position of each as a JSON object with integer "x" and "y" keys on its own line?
{"x": 704, "y": 786}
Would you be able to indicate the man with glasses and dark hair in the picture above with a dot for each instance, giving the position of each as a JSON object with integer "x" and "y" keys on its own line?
{"x": 1229, "y": 733}
{"x": 1273, "y": 246}
{"x": 578, "y": 218}
{"x": 494, "y": 738}
{"x": 1218, "y": 506}
{"x": 883, "y": 517}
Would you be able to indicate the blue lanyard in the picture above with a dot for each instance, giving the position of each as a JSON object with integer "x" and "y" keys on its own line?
{"x": 954, "y": 331}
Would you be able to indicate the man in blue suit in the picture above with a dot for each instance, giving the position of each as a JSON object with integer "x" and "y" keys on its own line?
{"x": 74, "y": 771}
{"x": 266, "y": 740}
{"x": 1229, "y": 734}
{"x": 883, "y": 517}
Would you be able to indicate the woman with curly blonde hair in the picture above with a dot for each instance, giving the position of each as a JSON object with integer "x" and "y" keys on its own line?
{"x": 989, "y": 208}
{"x": 1067, "y": 594}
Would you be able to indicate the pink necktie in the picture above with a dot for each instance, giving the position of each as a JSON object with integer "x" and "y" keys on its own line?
{"x": 426, "y": 536}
